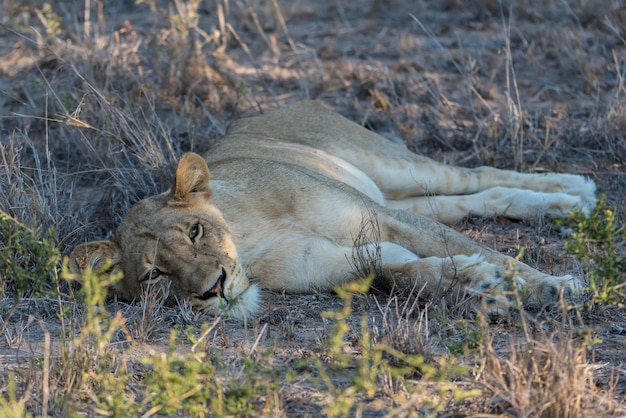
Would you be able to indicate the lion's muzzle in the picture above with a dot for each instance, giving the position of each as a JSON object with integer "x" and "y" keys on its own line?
{"x": 217, "y": 289}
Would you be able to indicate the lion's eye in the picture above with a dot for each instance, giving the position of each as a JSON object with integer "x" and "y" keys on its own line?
{"x": 152, "y": 275}
{"x": 195, "y": 233}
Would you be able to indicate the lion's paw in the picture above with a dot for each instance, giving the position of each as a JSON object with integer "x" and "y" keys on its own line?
{"x": 550, "y": 290}
{"x": 581, "y": 187}
{"x": 491, "y": 292}
{"x": 582, "y": 203}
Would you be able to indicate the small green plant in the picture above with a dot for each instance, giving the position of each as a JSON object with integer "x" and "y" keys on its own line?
{"x": 90, "y": 366}
{"x": 181, "y": 383}
{"x": 28, "y": 258}
{"x": 467, "y": 337}
{"x": 28, "y": 261}
{"x": 261, "y": 385}
{"x": 379, "y": 366}
{"x": 10, "y": 405}
{"x": 193, "y": 385}
{"x": 50, "y": 20}
{"x": 599, "y": 241}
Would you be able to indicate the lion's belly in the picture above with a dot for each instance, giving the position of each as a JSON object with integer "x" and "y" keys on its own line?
{"x": 341, "y": 170}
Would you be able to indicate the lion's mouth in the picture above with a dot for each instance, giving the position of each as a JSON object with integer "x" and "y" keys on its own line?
{"x": 217, "y": 289}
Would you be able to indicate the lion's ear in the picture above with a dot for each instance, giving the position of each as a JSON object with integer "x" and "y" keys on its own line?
{"x": 98, "y": 255}
{"x": 95, "y": 255}
{"x": 192, "y": 176}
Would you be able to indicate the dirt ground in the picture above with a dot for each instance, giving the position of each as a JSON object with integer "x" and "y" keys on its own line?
{"x": 530, "y": 85}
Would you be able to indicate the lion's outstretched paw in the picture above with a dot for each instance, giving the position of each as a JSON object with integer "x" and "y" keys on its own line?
{"x": 575, "y": 185}
{"x": 568, "y": 192}
{"x": 549, "y": 291}
{"x": 491, "y": 292}
{"x": 584, "y": 188}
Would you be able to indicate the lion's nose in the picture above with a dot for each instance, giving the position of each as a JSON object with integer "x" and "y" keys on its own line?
{"x": 217, "y": 289}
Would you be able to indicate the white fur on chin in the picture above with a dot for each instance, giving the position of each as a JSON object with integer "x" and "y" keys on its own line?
{"x": 246, "y": 305}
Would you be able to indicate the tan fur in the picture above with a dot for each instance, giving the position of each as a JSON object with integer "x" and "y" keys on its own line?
{"x": 289, "y": 192}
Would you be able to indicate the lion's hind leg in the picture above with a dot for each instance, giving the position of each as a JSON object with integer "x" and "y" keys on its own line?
{"x": 498, "y": 201}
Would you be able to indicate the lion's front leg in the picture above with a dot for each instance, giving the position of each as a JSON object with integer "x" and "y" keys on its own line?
{"x": 435, "y": 277}
{"x": 489, "y": 286}
{"x": 547, "y": 290}
{"x": 451, "y": 254}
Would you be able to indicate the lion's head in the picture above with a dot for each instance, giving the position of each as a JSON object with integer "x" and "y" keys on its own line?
{"x": 179, "y": 239}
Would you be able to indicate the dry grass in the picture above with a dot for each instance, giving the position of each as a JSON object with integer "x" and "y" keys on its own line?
{"x": 544, "y": 372}
{"x": 100, "y": 98}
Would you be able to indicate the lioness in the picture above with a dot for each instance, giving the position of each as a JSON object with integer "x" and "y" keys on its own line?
{"x": 285, "y": 197}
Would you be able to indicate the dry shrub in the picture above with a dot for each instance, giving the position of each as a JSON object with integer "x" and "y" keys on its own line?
{"x": 404, "y": 325}
{"x": 548, "y": 375}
